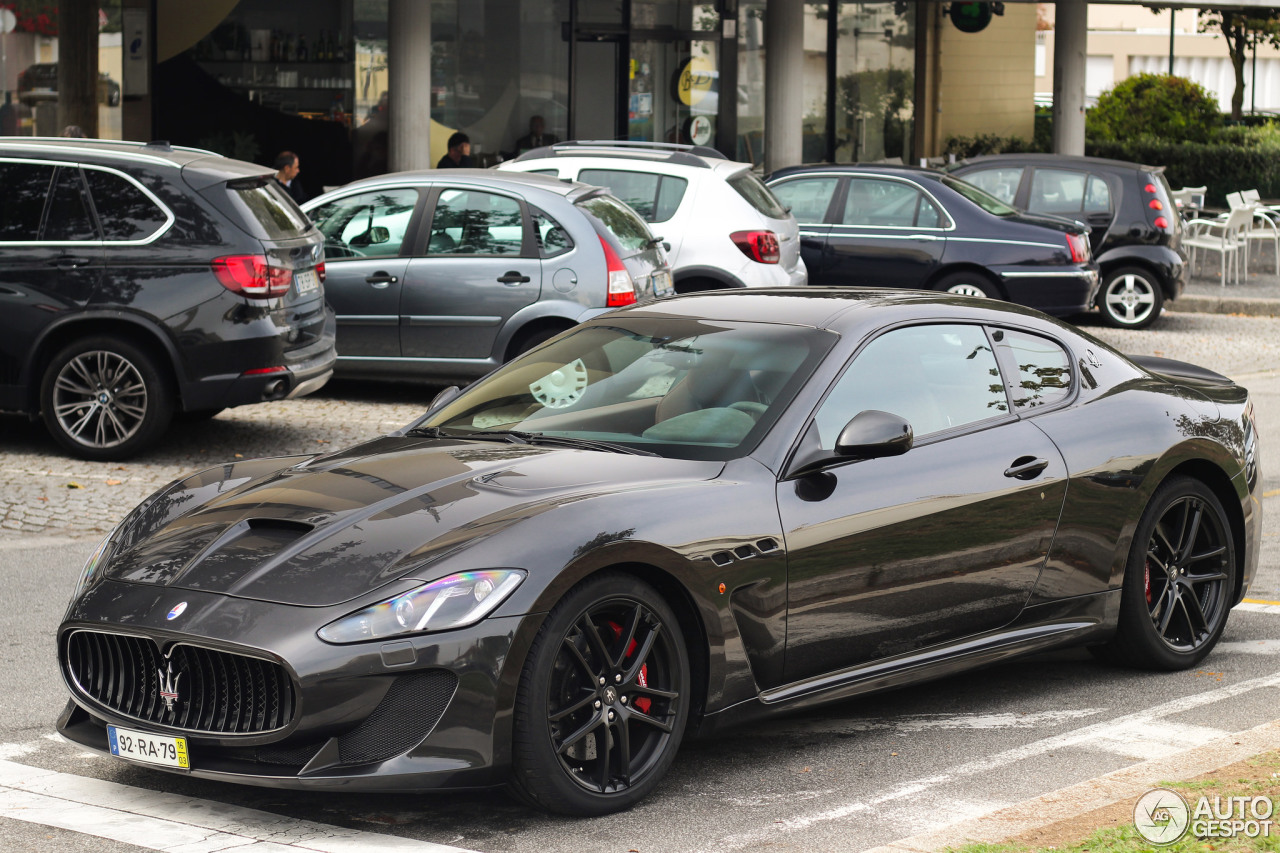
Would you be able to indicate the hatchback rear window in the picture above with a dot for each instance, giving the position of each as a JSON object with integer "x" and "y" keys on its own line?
{"x": 757, "y": 195}
{"x": 617, "y": 219}
{"x": 263, "y": 204}
{"x": 654, "y": 197}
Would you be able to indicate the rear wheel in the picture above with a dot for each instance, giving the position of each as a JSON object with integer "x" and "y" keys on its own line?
{"x": 105, "y": 398}
{"x": 1130, "y": 298}
{"x": 603, "y": 699}
{"x": 1178, "y": 582}
{"x": 968, "y": 284}
{"x": 528, "y": 340}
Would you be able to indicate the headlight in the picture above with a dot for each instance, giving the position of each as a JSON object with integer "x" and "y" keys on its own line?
{"x": 95, "y": 559}
{"x": 453, "y": 602}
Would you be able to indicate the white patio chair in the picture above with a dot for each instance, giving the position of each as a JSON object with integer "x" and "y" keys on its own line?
{"x": 1189, "y": 197}
{"x": 1263, "y": 227}
{"x": 1227, "y": 237}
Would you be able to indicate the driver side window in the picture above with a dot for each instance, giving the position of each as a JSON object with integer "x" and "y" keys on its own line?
{"x": 367, "y": 225}
{"x": 937, "y": 377}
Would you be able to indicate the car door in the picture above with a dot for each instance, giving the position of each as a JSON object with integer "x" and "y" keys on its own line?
{"x": 889, "y": 234}
{"x": 51, "y": 255}
{"x": 1074, "y": 194}
{"x": 894, "y": 555}
{"x": 811, "y": 200}
{"x": 366, "y": 240}
{"x": 478, "y": 267}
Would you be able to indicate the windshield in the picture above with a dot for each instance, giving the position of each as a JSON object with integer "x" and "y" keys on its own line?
{"x": 688, "y": 389}
{"x": 981, "y": 198}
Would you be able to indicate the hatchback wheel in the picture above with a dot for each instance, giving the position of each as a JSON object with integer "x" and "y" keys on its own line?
{"x": 104, "y": 398}
{"x": 968, "y": 284}
{"x": 1178, "y": 582}
{"x": 603, "y": 699}
{"x": 1131, "y": 298}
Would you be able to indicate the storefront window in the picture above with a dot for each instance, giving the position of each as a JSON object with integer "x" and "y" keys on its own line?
{"x": 875, "y": 82}
{"x": 817, "y": 17}
{"x": 751, "y": 59}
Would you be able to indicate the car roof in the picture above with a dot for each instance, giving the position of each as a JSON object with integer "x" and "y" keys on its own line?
{"x": 840, "y": 309}
{"x": 199, "y": 166}
{"x": 1058, "y": 158}
{"x": 696, "y": 156}
{"x": 474, "y": 177}
{"x": 846, "y": 168}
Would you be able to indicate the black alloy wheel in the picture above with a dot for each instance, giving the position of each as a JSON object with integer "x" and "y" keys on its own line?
{"x": 1179, "y": 581}
{"x": 603, "y": 699}
{"x": 104, "y": 398}
{"x": 1130, "y": 298}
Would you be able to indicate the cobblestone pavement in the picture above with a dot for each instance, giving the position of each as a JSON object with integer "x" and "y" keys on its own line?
{"x": 44, "y": 491}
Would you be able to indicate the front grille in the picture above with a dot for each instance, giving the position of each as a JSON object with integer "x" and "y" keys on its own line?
{"x": 193, "y": 688}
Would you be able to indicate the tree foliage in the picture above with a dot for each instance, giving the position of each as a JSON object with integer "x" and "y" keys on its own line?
{"x": 1158, "y": 105}
{"x": 1242, "y": 30}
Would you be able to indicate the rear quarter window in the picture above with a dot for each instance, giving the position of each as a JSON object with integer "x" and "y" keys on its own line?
{"x": 124, "y": 211}
{"x": 267, "y": 210}
{"x": 757, "y": 195}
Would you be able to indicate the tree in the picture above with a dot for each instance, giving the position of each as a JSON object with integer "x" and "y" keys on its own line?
{"x": 1242, "y": 29}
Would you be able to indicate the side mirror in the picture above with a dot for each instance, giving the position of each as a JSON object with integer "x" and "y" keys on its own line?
{"x": 870, "y": 435}
{"x": 379, "y": 234}
{"x": 666, "y": 246}
{"x": 873, "y": 434}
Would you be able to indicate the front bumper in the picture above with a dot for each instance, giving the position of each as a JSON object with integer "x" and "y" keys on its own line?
{"x": 426, "y": 712}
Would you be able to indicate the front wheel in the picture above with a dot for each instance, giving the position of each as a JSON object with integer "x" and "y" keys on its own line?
{"x": 104, "y": 398}
{"x": 1178, "y": 582}
{"x": 968, "y": 284}
{"x": 603, "y": 699}
{"x": 1130, "y": 298}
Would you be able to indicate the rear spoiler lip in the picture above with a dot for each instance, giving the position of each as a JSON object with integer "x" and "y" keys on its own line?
{"x": 1179, "y": 371}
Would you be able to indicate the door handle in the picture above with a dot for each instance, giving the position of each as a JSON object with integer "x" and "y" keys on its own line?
{"x": 69, "y": 262}
{"x": 381, "y": 279}
{"x": 1026, "y": 467}
{"x": 513, "y": 277}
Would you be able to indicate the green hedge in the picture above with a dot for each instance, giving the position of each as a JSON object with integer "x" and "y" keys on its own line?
{"x": 1222, "y": 166}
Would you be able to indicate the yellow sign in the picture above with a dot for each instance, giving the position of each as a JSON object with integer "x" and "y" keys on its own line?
{"x": 695, "y": 80}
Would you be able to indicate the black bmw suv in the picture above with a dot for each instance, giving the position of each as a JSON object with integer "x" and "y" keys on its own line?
{"x": 1135, "y": 232}
{"x": 141, "y": 281}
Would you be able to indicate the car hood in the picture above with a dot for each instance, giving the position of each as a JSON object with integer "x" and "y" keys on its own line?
{"x": 332, "y": 528}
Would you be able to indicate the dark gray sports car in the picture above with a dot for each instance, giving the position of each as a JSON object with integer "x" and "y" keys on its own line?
{"x": 668, "y": 519}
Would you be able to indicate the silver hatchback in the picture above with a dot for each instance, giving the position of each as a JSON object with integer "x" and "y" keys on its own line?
{"x": 445, "y": 274}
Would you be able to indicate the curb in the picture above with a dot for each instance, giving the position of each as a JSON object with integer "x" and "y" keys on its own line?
{"x": 1257, "y": 306}
{"x": 1128, "y": 783}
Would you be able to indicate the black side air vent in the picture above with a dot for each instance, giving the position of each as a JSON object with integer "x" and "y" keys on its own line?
{"x": 742, "y": 552}
{"x": 767, "y": 545}
{"x": 722, "y": 558}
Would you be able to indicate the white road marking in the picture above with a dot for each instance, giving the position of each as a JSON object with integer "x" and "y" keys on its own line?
{"x": 1094, "y": 735}
{"x": 173, "y": 823}
{"x": 1255, "y": 607}
{"x": 915, "y": 723}
{"x": 1249, "y": 647}
{"x": 1144, "y": 740}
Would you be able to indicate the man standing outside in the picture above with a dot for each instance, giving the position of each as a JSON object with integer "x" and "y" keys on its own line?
{"x": 459, "y": 154}
{"x": 287, "y": 168}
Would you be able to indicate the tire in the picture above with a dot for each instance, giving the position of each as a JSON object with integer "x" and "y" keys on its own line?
{"x": 608, "y": 667}
{"x": 528, "y": 340}
{"x": 1166, "y": 625}
{"x": 968, "y": 284}
{"x": 697, "y": 285}
{"x": 105, "y": 398}
{"x": 1130, "y": 298}
{"x": 198, "y": 415}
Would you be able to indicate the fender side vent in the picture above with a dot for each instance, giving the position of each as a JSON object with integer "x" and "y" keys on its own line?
{"x": 766, "y": 545}
{"x": 742, "y": 552}
{"x": 722, "y": 558}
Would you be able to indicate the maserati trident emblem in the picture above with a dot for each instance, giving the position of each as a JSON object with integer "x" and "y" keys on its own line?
{"x": 169, "y": 686}
{"x": 177, "y": 611}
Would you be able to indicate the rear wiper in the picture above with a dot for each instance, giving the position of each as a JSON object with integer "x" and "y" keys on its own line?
{"x": 584, "y": 443}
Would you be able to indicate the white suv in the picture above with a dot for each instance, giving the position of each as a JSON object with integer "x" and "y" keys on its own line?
{"x": 724, "y": 226}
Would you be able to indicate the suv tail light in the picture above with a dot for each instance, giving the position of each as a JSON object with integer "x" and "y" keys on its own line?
{"x": 622, "y": 290}
{"x": 1079, "y": 246}
{"x": 759, "y": 246}
{"x": 251, "y": 275}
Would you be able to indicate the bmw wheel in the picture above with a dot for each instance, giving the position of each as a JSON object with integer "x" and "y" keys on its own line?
{"x": 603, "y": 699}
{"x": 1179, "y": 581}
{"x": 1130, "y": 298}
{"x": 104, "y": 398}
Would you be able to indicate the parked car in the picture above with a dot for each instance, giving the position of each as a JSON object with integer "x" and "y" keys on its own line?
{"x": 137, "y": 281}
{"x": 895, "y": 226}
{"x": 39, "y": 82}
{"x": 724, "y": 227}
{"x": 449, "y": 273}
{"x": 1134, "y": 228}
{"x": 673, "y": 517}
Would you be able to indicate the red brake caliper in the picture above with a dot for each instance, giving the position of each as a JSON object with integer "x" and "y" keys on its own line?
{"x": 1146, "y": 578}
{"x": 644, "y": 703}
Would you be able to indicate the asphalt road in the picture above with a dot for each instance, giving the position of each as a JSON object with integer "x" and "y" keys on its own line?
{"x": 847, "y": 777}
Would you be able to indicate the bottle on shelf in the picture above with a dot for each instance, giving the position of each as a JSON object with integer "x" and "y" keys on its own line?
{"x": 341, "y": 53}
{"x": 302, "y": 48}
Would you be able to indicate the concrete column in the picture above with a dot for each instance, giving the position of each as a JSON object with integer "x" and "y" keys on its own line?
{"x": 783, "y": 83}
{"x": 1070, "y": 43}
{"x": 409, "y": 85}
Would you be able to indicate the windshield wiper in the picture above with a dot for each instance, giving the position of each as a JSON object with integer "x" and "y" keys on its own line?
{"x": 584, "y": 443}
{"x": 479, "y": 435}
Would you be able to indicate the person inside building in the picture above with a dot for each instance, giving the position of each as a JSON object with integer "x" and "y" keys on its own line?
{"x": 459, "y": 154}
{"x": 537, "y": 136}
{"x": 287, "y": 167}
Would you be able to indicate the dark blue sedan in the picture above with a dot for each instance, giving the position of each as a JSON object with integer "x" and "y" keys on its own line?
{"x": 894, "y": 226}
